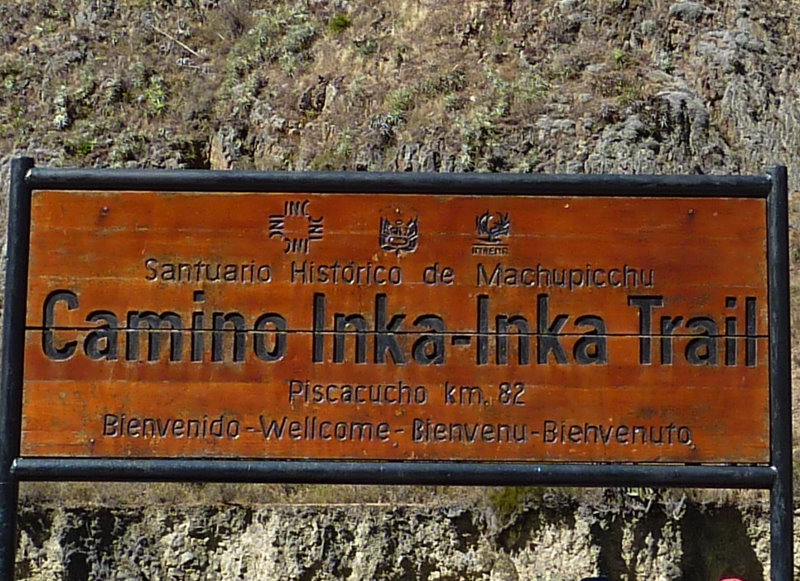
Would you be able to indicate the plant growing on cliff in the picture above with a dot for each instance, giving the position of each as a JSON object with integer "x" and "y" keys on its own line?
{"x": 155, "y": 96}
{"x": 339, "y": 22}
{"x": 283, "y": 34}
{"x": 506, "y": 501}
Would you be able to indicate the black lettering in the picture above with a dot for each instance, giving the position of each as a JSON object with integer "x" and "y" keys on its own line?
{"x": 150, "y": 264}
{"x": 592, "y": 347}
{"x": 48, "y": 341}
{"x": 220, "y": 323}
{"x": 668, "y": 326}
{"x": 384, "y": 333}
{"x": 730, "y": 334}
{"x": 317, "y": 336}
{"x": 110, "y": 425}
{"x": 702, "y": 350}
{"x": 429, "y": 348}
{"x": 523, "y": 339}
{"x": 278, "y": 323}
{"x": 547, "y": 339}
{"x": 154, "y": 324}
{"x": 483, "y": 330}
{"x": 645, "y": 304}
{"x": 359, "y": 325}
{"x": 485, "y": 280}
{"x": 198, "y": 324}
{"x": 101, "y": 343}
{"x": 750, "y": 331}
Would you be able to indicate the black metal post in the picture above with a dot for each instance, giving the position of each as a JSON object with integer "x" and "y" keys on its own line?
{"x": 781, "y": 504}
{"x": 19, "y": 223}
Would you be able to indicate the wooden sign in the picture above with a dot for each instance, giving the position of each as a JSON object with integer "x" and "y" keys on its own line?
{"x": 384, "y": 326}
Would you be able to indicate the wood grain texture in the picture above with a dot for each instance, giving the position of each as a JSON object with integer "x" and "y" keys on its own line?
{"x": 627, "y": 321}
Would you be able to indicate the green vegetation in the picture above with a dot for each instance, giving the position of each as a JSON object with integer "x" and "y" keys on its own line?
{"x": 282, "y": 36}
{"x": 154, "y": 96}
{"x": 339, "y": 22}
{"x": 508, "y": 501}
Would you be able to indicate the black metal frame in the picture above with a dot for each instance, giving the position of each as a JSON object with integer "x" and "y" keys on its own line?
{"x": 777, "y": 476}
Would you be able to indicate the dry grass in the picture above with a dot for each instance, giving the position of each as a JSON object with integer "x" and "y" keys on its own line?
{"x": 129, "y": 494}
{"x": 505, "y": 500}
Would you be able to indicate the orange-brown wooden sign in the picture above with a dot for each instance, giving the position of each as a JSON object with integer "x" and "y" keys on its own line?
{"x": 399, "y": 327}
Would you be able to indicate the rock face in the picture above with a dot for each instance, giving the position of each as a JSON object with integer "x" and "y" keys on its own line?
{"x": 554, "y": 538}
{"x": 552, "y": 86}
{"x": 558, "y": 86}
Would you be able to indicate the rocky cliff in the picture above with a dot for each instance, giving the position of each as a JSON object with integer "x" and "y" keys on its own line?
{"x": 568, "y": 86}
{"x": 517, "y": 534}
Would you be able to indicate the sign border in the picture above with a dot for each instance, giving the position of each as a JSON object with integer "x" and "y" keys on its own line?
{"x": 777, "y": 477}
